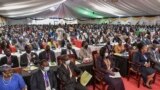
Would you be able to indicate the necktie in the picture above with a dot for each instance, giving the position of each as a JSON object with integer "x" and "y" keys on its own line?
{"x": 46, "y": 79}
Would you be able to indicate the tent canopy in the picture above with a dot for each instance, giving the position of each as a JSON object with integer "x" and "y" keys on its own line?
{"x": 78, "y": 8}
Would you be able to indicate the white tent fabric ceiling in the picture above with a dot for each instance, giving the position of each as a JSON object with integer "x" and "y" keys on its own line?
{"x": 78, "y": 8}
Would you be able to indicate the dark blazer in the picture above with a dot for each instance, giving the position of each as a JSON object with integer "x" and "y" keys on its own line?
{"x": 64, "y": 51}
{"x": 146, "y": 41}
{"x": 127, "y": 47}
{"x": 116, "y": 39}
{"x": 38, "y": 83}
{"x": 64, "y": 42}
{"x": 35, "y": 45}
{"x": 156, "y": 41}
{"x": 14, "y": 61}
{"x": 42, "y": 55}
{"x": 145, "y": 71}
{"x": 110, "y": 48}
{"x": 153, "y": 58}
{"x": 24, "y": 60}
{"x": 139, "y": 58}
{"x": 64, "y": 74}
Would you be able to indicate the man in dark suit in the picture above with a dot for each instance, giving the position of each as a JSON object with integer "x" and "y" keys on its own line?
{"x": 35, "y": 45}
{"x": 9, "y": 59}
{"x": 142, "y": 58}
{"x": 69, "y": 50}
{"x": 64, "y": 41}
{"x": 44, "y": 78}
{"x": 68, "y": 75}
{"x": 47, "y": 54}
{"x": 28, "y": 57}
{"x": 156, "y": 41}
{"x": 155, "y": 57}
{"x": 116, "y": 38}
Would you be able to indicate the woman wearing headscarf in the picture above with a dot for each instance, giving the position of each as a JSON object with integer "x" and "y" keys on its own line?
{"x": 10, "y": 80}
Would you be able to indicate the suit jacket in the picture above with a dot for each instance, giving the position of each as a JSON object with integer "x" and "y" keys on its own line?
{"x": 35, "y": 45}
{"x": 42, "y": 55}
{"x": 156, "y": 41}
{"x": 140, "y": 59}
{"x": 154, "y": 57}
{"x": 38, "y": 83}
{"x": 64, "y": 51}
{"x": 146, "y": 41}
{"x": 116, "y": 39}
{"x": 64, "y": 74}
{"x": 109, "y": 47}
{"x": 64, "y": 42}
{"x": 127, "y": 47}
{"x": 24, "y": 60}
{"x": 14, "y": 61}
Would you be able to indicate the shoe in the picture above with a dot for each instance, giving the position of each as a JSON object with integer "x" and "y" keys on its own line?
{"x": 151, "y": 82}
{"x": 149, "y": 87}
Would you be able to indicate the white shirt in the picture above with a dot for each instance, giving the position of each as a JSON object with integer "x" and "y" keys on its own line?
{"x": 49, "y": 87}
{"x": 29, "y": 57}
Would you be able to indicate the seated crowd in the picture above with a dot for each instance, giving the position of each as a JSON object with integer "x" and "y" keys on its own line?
{"x": 27, "y": 40}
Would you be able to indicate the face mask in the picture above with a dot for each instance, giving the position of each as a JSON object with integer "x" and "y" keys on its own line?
{"x": 46, "y": 68}
{"x": 156, "y": 49}
{"x": 106, "y": 54}
{"x": 67, "y": 62}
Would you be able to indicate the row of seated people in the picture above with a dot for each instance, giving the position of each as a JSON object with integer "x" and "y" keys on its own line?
{"x": 104, "y": 64}
{"x": 31, "y": 57}
{"x": 14, "y": 47}
{"x": 65, "y": 72}
{"x": 147, "y": 59}
{"x": 85, "y": 53}
{"x": 44, "y": 78}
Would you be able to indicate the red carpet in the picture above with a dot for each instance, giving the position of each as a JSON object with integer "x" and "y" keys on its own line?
{"x": 132, "y": 85}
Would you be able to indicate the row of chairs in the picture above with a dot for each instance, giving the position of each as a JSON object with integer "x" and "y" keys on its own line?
{"x": 98, "y": 77}
{"x": 132, "y": 72}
